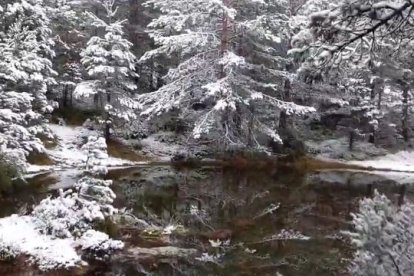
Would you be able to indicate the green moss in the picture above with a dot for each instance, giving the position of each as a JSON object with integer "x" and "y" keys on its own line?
{"x": 120, "y": 150}
{"x": 39, "y": 158}
{"x": 7, "y": 172}
{"x": 109, "y": 227}
{"x": 48, "y": 142}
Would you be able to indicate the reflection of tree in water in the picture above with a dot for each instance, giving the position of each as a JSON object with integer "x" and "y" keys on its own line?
{"x": 243, "y": 206}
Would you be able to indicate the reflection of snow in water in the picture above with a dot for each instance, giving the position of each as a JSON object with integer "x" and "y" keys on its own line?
{"x": 402, "y": 161}
{"x": 398, "y": 167}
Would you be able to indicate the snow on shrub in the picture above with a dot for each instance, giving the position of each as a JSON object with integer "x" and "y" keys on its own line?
{"x": 19, "y": 235}
{"x": 96, "y": 151}
{"x": 19, "y": 127}
{"x": 59, "y": 225}
{"x": 99, "y": 243}
{"x": 384, "y": 238}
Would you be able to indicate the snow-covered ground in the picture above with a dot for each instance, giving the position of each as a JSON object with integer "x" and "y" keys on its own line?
{"x": 68, "y": 153}
{"x": 28, "y": 235}
{"x": 402, "y": 161}
{"x": 165, "y": 145}
{"x": 398, "y": 167}
{"x": 18, "y": 235}
{"x": 338, "y": 149}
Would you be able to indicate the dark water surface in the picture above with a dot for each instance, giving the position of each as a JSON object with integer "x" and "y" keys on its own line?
{"x": 233, "y": 206}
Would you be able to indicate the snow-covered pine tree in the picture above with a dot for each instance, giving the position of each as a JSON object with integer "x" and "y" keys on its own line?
{"x": 26, "y": 51}
{"x": 69, "y": 33}
{"x": 111, "y": 65}
{"x": 25, "y": 73}
{"x": 354, "y": 40}
{"x": 220, "y": 45}
{"x": 19, "y": 125}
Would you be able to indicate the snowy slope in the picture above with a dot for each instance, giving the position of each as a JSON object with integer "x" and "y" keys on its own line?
{"x": 402, "y": 161}
{"x": 398, "y": 167}
{"x": 68, "y": 153}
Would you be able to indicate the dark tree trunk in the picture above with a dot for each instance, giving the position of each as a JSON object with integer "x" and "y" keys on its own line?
{"x": 370, "y": 190}
{"x": 287, "y": 89}
{"x": 351, "y": 139}
{"x": 65, "y": 96}
{"x": 283, "y": 120}
{"x": 401, "y": 194}
{"x": 107, "y": 130}
{"x": 250, "y": 128}
{"x": 380, "y": 91}
{"x": 224, "y": 37}
{"x": 371, "y": 138}
{"x": 287, "y": 97}
{"x": 405, "y": 113}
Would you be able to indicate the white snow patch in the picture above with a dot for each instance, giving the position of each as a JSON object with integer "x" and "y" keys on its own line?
{"x": 338, "y": 149}
{"x": 69, "y": 153}
{"x": 33, "y": 170}
{"x": 289, "y": 235}
{"x": 402, "y": 161}
{"x": 85, "y": 89}
{"x": 57, "y": 227}
{"x": 98, "y": 241}
{"x": 19, "y": 235}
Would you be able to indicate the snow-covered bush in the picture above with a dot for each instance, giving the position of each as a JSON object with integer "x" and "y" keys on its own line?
{"x": 8, "y": 171}
{"x": 98, "y": 243}
{"x": 65, "y": 222}
{"x": 19, "y": 235}
{"x": 20, "y": 127}
{"x": 384, "y": 238}
{"x": 67, "y": 215}
{"x": 54, "y": 230}
{"x": 98, "y": 191}
{"x": 95, "y": 149}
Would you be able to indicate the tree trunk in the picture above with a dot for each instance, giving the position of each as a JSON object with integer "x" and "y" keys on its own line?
{"x": 401, "y": 194}
{"x": 107, "y": 130}
{"x": 250, "y": 128}
{"x": 65, "y": 96}
{"x": 380, "y": 91}
{"x": 283, "y": 120}
{"x": 405, "y": 113}
{"x": 287, "y": 90}
{"x": 351, "y": 139}
{"x": 224, "y": 37}
{"x": 371, "y": 138}
{"x": 71, "y": 98}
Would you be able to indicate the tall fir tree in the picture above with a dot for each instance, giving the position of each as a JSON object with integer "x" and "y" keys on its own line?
{"x": 26, "y": 49}
{"x": 110, "y": 64}
{"x": 221, "y": 46}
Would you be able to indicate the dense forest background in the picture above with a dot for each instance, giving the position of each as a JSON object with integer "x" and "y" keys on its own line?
{"x": 273, "y": 76}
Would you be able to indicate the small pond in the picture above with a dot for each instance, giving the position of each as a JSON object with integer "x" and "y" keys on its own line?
{"x": 268, "y": 222}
